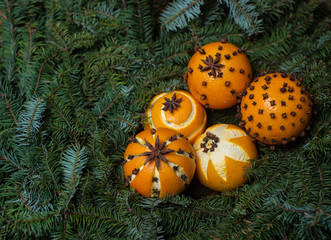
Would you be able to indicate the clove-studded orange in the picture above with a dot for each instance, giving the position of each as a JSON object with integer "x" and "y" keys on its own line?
{"x": 158, "y": 162}
{"x": 177, "y": 110}
{"x": 276, "y": 108}
{"x": 217, "y": 72}
{"x": 223, "y": 153}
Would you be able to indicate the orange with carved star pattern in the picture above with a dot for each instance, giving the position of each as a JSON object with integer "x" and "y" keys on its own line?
{"x": 223, "y": 153}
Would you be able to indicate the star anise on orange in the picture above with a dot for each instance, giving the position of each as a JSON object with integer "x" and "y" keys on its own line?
{"x": 171, "y": 104}
{"x": 156, "y": 152}
{"x": 212, "y": 64}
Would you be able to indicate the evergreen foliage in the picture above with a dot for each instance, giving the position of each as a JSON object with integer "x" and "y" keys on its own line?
{"x": 75, "y": 79}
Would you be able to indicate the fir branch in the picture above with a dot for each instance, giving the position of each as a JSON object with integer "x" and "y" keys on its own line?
{"x": 24, "y": 201}
{"x": 12, "y": 161}
{"x": 318, "y": 210}
{"x": 10, "y": 109}
{"x": 179, "y": 13}
{"x": 30, "y": 120}
{"x": 69, "y": 93}
{"x": 158, "y": 77}
{"x": 73, "y": 162}
{"x": 245, "y": 15}
{"x": 40, "y": 71}
{"x": 110, "y": 104}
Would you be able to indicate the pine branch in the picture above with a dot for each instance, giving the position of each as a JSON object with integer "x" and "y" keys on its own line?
{"x": 30, "y": 120}
{"x": 109, "y": 106}
{"x": 179, "y": 13}
{"x": 245, "y": 15}
{"x": 10, "y": 109}
{"x": 73, "y": 162}
{"x": 39, "y": 74}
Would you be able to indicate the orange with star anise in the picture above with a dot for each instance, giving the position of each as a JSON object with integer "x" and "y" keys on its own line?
{"x": 177, "y": 110}
{"x": 217, "y": 72}
{"x": 158, "y": 162}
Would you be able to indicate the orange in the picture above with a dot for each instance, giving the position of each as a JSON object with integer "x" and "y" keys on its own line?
{"x": 159, "y": 162}
{"x": 223, "y": 153}
{"x": 216, "y": 74}
{"x": 177, "y": 110}
{"x": 276, "y": 108}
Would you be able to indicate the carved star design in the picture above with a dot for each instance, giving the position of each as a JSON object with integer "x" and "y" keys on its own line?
{"x": 171, "y": 104}
{"x": 156, "y": 152}
{"x": 212, "y": 64}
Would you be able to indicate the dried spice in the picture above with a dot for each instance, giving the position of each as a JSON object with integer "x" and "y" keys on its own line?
{"x": 272, "y": 103}
{"x": 200, "y": 50}
{"x": 133, "y": 140}
{"x": 267, "y": 78}
{"x": 156, "y": 152}
{"x": 224, "y": 40}
{"x": 212, "y": 64}
{"x": 171, "y": 104}
{"x": 155, "y": 179}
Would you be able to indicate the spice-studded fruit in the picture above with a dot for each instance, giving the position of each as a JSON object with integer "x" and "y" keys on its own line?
{"x": 158, "y": 162}
{"x": 217, "y": 72}
{"x": 177, "y": 110}
{"x": 276, "y": 108}
{"x": 223, "y": 153}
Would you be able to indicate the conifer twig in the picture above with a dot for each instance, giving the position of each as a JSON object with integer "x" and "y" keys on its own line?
{"x": 32, "y": 116}
{"x": 10, "y": 109}
{"x": 269, "y": 44}
{"x": 181, "y": 12}
{"x": 318, "y": 211}
{"x": 6, "y": 159}
{"x": 24, "y": 201}
{"x": 39, "y": 74}
{"x": 160, "y": 76}
{"x": 111, "y": 104}
{"x": 69, "y": 93}
{"x": 248, "y": 18}
{"x": 47, "y": 165}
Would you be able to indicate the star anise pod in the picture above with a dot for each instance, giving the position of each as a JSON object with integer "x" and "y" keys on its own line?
{"x": 156, "y": 152}
{"x": 212, "y": 64}
{"x": 171, "y": 104}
